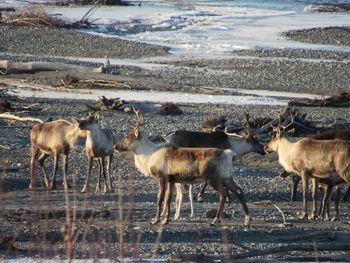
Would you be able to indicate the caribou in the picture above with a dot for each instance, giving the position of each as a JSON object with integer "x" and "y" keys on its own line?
{"x": 328, "y": 135}
{"x": 239, "y": 144}
{"x": 327, "y": 160}
{"x": 169, "y": 164}
{"x": 99, "y": 145}
{"x": 52, "y": 138}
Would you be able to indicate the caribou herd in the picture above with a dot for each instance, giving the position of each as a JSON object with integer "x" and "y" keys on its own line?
{"x": 188, "y": 157}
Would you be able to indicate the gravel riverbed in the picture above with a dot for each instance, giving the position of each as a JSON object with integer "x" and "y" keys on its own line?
{"x": 34, "y": 223}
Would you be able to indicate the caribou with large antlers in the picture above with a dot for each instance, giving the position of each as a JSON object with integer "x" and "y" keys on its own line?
{"x": 169, "y": 164}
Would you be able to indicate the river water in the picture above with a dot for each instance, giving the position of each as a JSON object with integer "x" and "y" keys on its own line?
{"x": 208, "y": 28}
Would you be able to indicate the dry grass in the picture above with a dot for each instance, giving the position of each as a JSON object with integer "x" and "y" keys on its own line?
{"x": 33, "y": 15}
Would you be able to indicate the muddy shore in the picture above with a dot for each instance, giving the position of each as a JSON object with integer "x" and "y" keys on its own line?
{"x": 33, "y": 222}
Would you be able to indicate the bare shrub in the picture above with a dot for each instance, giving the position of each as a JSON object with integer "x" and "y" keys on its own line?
{"x": 96, "y": 2}
{"x": 169, "y": 109}
{"x": 33, "y": 15}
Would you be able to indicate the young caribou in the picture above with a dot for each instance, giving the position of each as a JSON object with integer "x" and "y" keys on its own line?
{"x": 99, "y": 145}
{"x": 218, "y": 139}
{"x": 169, "y": 164}
{"x": 56, "y": 137}
{"x": 328, "y": 160}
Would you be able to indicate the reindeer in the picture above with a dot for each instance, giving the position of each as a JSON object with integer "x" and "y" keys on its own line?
{"x": 169, "y": 164}
{"x": 329, "y": 135}
{"x": 99, "y": 144}
{"x": 327, "y": 160}
{"x": 218, "y": 139}
{"x": 56, "y": 137}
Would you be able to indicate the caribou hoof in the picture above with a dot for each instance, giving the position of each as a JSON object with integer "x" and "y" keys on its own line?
{"x": 32, "y": 186}
{"x": 324, "y": 218}
{"x": 215, "y": 221}
{"x": 303, "y": 215}
{"x": 67, "y": 186}
{"x": 47, "y": 182}
{"x": 176, "y": 217}
{"x": 84, "y": 190}
{"x": 154, "y": 220}
{"x": 312, "y": 217}
{"x": 335, "y": 218}
{"x": 247, "y": 220}
{"x": 53, "y": 187}
{"x": 164, "y": 220}
{"x": 108, "y": 190}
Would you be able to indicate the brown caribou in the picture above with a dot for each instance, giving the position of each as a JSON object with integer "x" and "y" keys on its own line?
{"x": 56, "y": 138}
{"x": 325, "y": 160}
{"x": 169, "y": 164}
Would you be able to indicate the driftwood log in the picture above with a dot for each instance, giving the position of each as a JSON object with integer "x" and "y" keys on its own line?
{"x": 13, "y": 117}
{"x": 291, "y": 121}
{"x": 284, "y": 249}
{"x": 9, "y": 66}
{"x": 341, "y": 100}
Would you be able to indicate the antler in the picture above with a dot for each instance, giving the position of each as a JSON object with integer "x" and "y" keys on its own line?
{"x": 292, "y": 113}
{"x": 140, "y": 119}
{"x": 249, "y": 129}
{"x": 280, "y": 125}
{"x": 284, "y": 127}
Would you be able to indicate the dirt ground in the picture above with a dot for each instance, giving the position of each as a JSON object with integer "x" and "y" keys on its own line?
{"x": 59, "y": 224}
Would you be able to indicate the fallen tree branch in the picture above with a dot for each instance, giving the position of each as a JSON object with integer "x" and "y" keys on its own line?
{"x": 319, "y": 236}
{"x": 8, "y": 66}
{"x": 303, "y": 247}
{"x": 13, "y": 117}
{"x": 284, "y": 224}
{"x": 5, "y": 147}
{"x": 341, "y": 100}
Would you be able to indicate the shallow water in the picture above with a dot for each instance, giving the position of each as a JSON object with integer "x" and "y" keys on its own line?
{"x": 208, "y": 28}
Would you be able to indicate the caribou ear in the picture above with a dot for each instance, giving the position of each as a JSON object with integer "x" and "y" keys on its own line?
{"x": 96, "y": 116}
{"x": 74, "y": 121}
{"x": 136, "y": 133}
{"x": 278, "y": 131}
